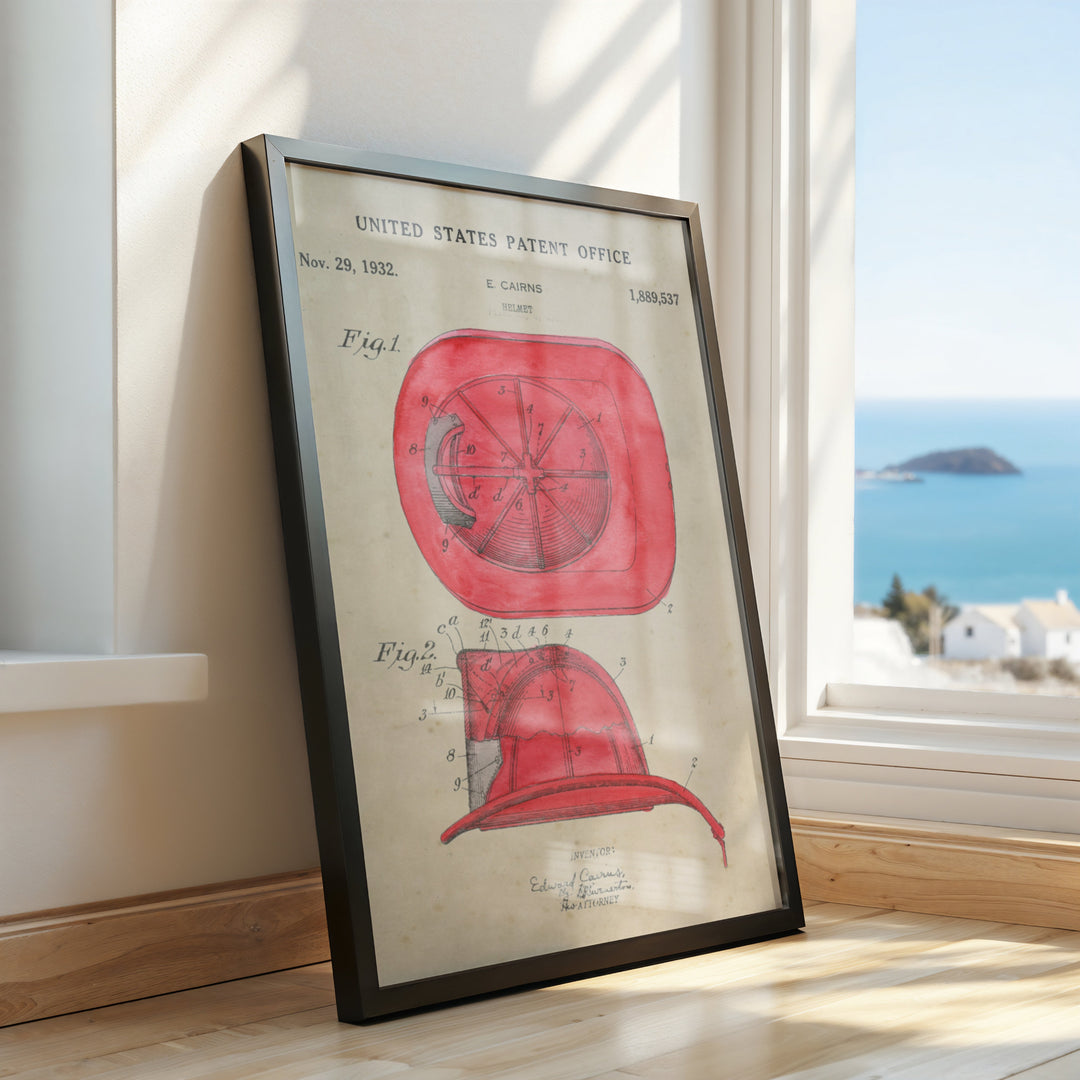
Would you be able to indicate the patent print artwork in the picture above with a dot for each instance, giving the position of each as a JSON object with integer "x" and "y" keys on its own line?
{"x": 533, "y": 473}
{"x": 549, "y": 737}
{"x": 489, "y": 395}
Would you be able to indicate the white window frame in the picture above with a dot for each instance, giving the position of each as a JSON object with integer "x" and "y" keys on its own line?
{"x": 1008, "y": 760}
{"x": 58, "y": 485}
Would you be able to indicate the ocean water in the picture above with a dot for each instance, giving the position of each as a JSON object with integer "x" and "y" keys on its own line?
{"x": 978, "y": 539}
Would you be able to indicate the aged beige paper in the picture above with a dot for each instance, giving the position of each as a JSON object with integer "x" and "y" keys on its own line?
{"x": 386, "y": 267}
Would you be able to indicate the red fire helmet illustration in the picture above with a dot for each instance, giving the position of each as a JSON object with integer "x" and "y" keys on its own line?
{"x": 533, "y": 473}
{"x": 549, "y": 737}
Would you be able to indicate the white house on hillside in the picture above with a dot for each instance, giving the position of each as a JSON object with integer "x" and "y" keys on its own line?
{"x": 1046, "y": 628}
{"x": 1050, "y": 628}
{"x": 983, "y": 632}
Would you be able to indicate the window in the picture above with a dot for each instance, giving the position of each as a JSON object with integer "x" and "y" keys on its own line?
{"x": 967, "y": 391}
{"x": 864, "y": 747}
{"x": 57, "y": 543}
{"x": 56, "y": 382}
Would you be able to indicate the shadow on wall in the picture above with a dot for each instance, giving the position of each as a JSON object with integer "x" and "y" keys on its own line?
{"x": 464, "y": 81}
{"x": 216, "y": 584}
{"x": 553, "y": 89}
{"x": 458, "y": 81}
{"x": 582, "y": 91}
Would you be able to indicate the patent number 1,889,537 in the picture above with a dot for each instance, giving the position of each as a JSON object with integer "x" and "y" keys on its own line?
{"x": 649, "y": 296}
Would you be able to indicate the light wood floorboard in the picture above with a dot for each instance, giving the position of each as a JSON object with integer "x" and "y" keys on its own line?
{"x": 863, "y": 994}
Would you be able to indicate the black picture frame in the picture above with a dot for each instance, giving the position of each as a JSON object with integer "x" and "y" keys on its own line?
{"x": 295, "y": 187}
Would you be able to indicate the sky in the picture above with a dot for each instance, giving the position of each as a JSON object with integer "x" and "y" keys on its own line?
{"x": 967, "y": 227}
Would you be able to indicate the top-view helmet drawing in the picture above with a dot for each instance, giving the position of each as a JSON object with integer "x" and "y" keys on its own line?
{"x": 533, "y": 474}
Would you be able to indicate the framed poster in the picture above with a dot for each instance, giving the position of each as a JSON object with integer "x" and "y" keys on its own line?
{"x": 538, "y": 720}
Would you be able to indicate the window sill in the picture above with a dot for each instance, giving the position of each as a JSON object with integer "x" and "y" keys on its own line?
{"x": 937, "y": 756}
{"x": 1011, "y": 734}
{"x": 35, "y": 682}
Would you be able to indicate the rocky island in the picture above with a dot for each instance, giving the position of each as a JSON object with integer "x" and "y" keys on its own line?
{"x": 970, "y": 461}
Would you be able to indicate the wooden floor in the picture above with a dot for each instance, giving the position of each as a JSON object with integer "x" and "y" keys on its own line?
{"x": 862, "y": 994}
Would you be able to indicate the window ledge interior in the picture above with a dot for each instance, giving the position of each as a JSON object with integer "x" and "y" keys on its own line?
{"x": 35, "y": 682}
{"x": 967, "y": 732}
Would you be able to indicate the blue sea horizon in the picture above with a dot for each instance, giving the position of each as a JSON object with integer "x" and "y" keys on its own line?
{"x": 977, "y": 539}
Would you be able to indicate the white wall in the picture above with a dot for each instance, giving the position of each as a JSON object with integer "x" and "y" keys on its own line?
{"x": 1063, "y": 644}
{"x": 646, "y": 95}
{"x": 56, "y": 333}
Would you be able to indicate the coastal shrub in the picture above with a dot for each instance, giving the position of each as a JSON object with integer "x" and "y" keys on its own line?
{"x": 917, "y": 613}
{"x": 1061, "y": 669}
{"x": 1024, "y": 668}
